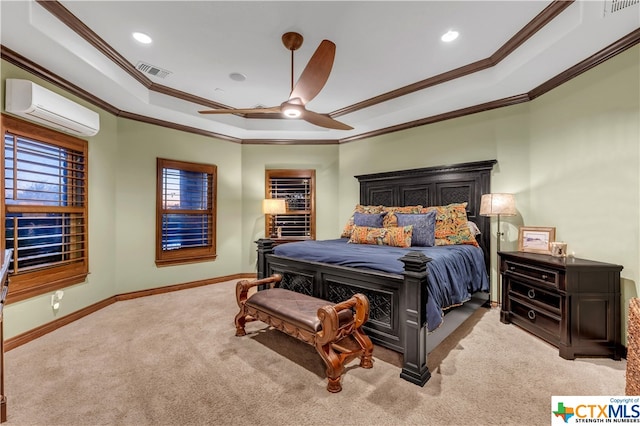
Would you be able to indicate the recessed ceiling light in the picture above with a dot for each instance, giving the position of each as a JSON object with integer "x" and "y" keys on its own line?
{"x": 236, "y": 76}
{"x": 449, "y": 36}
{"x": 142, "y": 38}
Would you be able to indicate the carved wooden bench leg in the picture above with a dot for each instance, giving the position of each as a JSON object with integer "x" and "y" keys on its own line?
{"x": 366, "y": 360}
{"x": 242, "y": 289}
{"x": 338, "y": 343}
{"x": 335, "y": 367}
{"x": 241, "y": 318}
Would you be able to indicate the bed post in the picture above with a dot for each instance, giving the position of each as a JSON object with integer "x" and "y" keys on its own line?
{"x": 265, "y": 246}
{"x": 413, "y": 318}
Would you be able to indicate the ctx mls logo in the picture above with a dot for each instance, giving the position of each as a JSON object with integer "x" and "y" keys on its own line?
{"x": 564, "y": 412}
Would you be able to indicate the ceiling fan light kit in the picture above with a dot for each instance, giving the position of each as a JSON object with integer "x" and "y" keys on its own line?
{"x": 311, "y": 81}
{"x": 291, "y": 112}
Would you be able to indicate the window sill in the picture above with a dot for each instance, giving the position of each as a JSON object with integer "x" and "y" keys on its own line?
{"x": 19, "y": 291}
{"x": 171, "y": 262}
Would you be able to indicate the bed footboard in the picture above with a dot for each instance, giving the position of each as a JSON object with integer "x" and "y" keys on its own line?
{"x": 397, "y": 316}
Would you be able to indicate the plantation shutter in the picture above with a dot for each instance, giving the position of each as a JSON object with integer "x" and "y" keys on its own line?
{"x": 186, "y": 217}
{"x": 44, "y": 208}
{"x": 297, "y": 188}
{"x": 185, "y": 212}
{"x": 45, "y": 201}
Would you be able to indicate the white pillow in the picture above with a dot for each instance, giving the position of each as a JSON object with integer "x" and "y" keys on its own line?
{"x": 473, "y": 228}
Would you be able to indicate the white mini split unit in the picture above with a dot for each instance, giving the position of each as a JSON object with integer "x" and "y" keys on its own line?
{"x": 26, "y": 99}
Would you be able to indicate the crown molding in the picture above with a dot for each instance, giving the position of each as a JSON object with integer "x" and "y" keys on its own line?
{"x": 535, "y": 25}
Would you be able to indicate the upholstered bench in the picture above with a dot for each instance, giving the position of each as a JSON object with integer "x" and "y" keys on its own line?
{"x": 334, "y": 330}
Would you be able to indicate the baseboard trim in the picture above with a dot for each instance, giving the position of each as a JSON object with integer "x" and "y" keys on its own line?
{"x": 40, "y": 331}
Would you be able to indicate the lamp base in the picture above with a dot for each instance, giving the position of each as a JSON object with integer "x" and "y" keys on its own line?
{"x": 272, "y": 230}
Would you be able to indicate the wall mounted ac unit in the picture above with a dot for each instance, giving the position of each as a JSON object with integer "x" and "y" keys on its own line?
{"x": 26, "y": 99}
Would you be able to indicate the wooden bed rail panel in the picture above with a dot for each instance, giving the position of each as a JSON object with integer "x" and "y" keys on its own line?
{"x": 384, "y": 305}
{"x": 336, "y": 284}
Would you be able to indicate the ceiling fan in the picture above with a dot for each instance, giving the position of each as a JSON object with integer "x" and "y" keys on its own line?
{"x": 311, "y": 81}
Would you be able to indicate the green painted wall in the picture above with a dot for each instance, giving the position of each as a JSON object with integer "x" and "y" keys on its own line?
{"x": 28, "y": 314}
{"x": 571, "y": 157}
{"x": 139, "y": 144}
{"x": 584, "y": 157}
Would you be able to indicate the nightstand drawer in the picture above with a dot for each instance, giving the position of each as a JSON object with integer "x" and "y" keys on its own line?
{"x": 536, "y": 320}
{"x": 544, "y": 299}
{"x": 544, "y": 275}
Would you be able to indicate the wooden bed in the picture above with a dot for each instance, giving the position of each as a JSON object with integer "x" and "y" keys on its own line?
{"x": 397, "y": 318}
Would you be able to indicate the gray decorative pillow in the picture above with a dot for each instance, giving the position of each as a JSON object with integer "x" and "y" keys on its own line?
{"x": 424, "y": 227}
{"x": 370, "y": 220}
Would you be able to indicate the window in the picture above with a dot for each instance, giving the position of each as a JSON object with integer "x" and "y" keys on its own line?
{"x": 44, "y": 207}
{"x": 297, "y": 187}
{"x": 185, "y": 212}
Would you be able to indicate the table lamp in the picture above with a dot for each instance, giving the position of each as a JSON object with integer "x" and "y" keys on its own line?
{"x": 273, "y": 207}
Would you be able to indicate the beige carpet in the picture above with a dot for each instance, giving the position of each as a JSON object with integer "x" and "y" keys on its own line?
{"x": 173, "y": 359}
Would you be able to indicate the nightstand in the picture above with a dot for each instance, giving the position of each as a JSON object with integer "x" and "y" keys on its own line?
{"x": 572, "y": 303}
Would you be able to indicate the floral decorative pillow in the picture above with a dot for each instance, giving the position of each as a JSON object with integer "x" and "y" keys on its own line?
{"x": 348, "y": 228}
{"x": 396, "y": 236}
{"x": 451, "y": 225}
{"x": 390, "y": 220}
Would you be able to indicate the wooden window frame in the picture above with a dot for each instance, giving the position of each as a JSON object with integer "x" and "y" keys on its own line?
{"x": 293, "y": 173}
{"x": 43, "y": 280}
{"x": 193, "y": 254}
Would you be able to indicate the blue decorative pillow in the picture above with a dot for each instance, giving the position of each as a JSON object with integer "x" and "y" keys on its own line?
{"x": 370, "y": 220}
{"x": 424, "y": 227}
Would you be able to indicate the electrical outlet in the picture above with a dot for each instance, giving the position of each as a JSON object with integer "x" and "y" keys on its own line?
{"x": 55, "y": 299}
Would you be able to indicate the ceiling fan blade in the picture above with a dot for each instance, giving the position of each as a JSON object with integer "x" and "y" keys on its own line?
{"x": 241, "y": 110}
{"x": 316, "y": 73}
{"x": 323, "y": 120}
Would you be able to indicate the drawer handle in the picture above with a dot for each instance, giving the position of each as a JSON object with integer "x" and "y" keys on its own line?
{"x": 531, "y": 315}
{"x": 544, "y": 277}
{"x": 512, "y": 268}
{"x": 531, "y": 293}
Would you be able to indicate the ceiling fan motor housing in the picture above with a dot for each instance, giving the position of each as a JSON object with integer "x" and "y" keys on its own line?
{"x": 292, "y": 41}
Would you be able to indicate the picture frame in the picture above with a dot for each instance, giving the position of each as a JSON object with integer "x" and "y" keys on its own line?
{"x": 536, "y": 239}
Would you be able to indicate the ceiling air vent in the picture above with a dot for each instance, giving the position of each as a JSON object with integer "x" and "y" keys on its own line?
{"x": 613, "y": 6}
{"x": 152, "y": 70}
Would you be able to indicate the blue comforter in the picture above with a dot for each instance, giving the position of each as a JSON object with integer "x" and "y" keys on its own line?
{"x": 454, "y": 273}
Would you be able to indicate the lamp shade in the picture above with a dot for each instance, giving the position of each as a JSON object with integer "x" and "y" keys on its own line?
{"x": 274, "y": 206}
{"x": 498, "y": 204}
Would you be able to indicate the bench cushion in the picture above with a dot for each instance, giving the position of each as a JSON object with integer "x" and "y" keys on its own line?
{"x": 295, "y": 308}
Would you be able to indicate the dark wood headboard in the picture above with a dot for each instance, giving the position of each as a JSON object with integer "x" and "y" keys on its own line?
{"x": 434, "y": 186}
